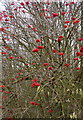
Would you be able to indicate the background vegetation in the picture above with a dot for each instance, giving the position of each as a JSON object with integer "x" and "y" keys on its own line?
{"x": 42, "y": 60}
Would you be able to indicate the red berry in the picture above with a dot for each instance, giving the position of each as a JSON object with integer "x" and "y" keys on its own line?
{"x": 40, "y": 47}
{"x": 66, "y": 65}
{"x": 78, "y": 53}
{"x": 75, "y": 58}
{"x": 27, "y": 64}
{"x": 73, "y": 18}
{"x": 11, "y": 16}
{"x": 34, "y": 80}
{"x": 81, "y": 49}
{"x": 65, "y": 26}
{"x": 78, "y": 68}
{"x": 27, "y": 2}
{"x": 29, "y": 26}
{"x": 2, "y": 86}
{"x": 59, "y": 39}
{"x": 5, "y": 15}
{"x": 54, "y": 51}
{"x": 22, "y": 3}
{"x": 23, "y": 11}
{"x": 60, "y": 36}
{"x": 6, "y": 20}
{"x": 61, "y": 53}
{"x": 12, "y": 78}
{"x": 5, "y": 92}
{"x": 80, "y": 39}
{"x": 63, "y": 13}
{"x": 71, "y": 2}
{"x": 37, "y": 40}
{"x": 12, "y": 3}
{"x": 45, "y": 64}
{"x": 67, "y": 4}
{"x": 66, "y": 21}
{"x": 1, "y": 29}
{"x": 31, "y": 102}
{"x": 11, "y": 57}
{"x": 50, "y": 68}
{"x": 16, "y": 76}
{"x": 49, "y": 110}
{"x": 35, "y": 50}
{"x": 54, "y": 14}
{"x": 77, "y": 21}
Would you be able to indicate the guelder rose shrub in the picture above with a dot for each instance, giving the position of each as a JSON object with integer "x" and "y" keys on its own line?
{"x": 42, "y": 60}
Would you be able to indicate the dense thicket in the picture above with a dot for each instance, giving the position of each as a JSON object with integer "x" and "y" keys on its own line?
{"x": 42, "y": 60}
